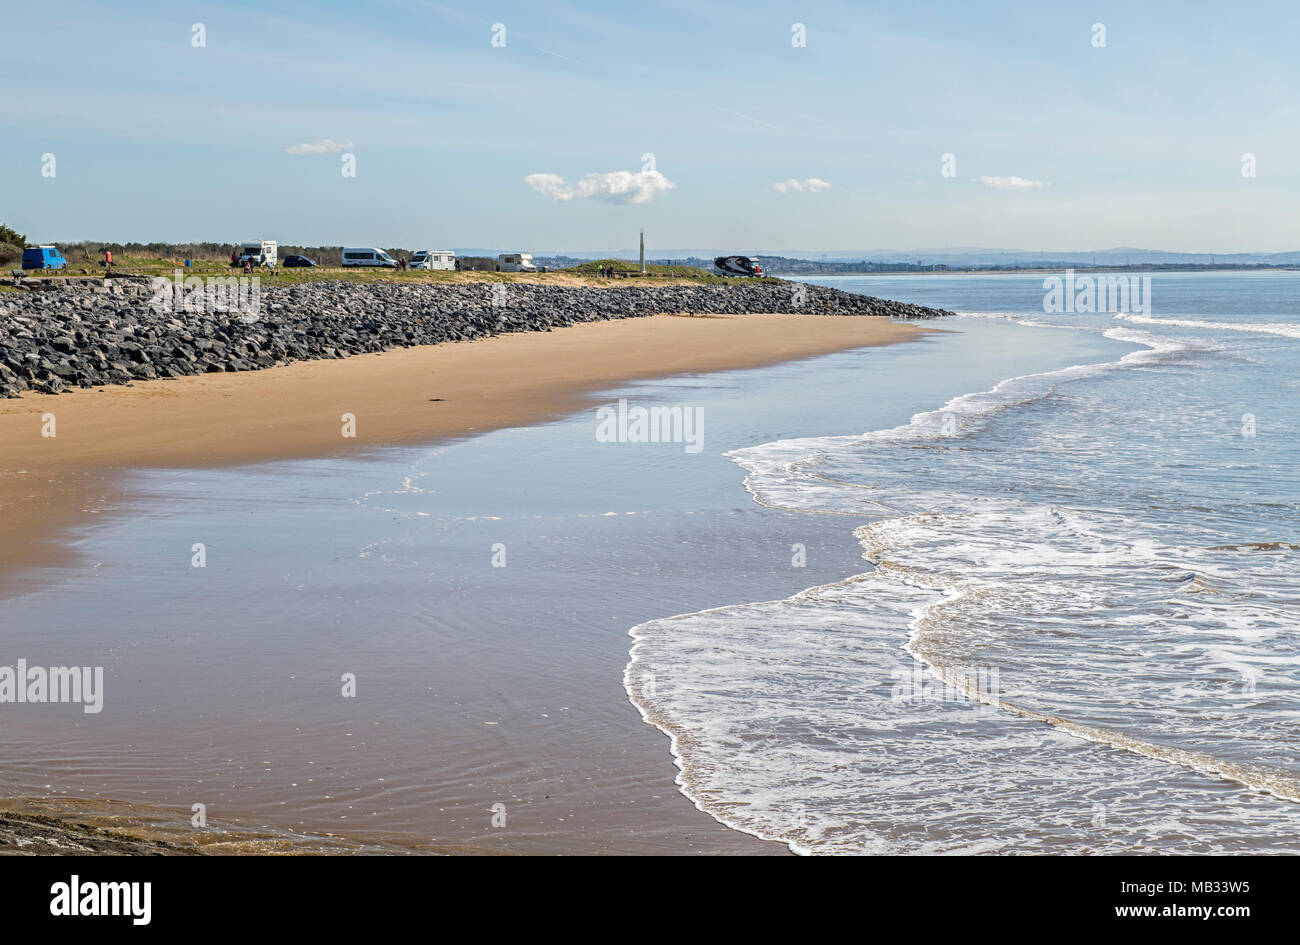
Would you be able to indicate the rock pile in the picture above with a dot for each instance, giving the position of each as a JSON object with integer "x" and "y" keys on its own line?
{"x": 90, "y": 334}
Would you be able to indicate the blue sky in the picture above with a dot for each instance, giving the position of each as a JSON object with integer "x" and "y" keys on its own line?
{"x": 1058, "y": 144}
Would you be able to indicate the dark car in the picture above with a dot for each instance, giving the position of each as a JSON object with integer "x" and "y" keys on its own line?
{"x": 291, "y": 262}
{"x": 737, "y": 266}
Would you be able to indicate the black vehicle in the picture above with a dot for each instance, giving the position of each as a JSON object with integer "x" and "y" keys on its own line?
{"x": 299, "y": 262}
{"x": 737, "y": 266}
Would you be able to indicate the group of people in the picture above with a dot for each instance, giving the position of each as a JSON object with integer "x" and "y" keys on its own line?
{"x": 607, "y": 272}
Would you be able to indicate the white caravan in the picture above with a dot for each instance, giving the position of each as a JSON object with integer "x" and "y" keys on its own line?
{"x": 260, "y": 252}
{"x": 433, "y": 259}
{"x": 368, "y": 256}
{"x": 515, "y": 262}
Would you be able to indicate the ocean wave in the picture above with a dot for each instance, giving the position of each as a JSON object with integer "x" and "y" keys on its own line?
{"x": 1263, "y": 328}
{"x": 782, "y": 726}
{"x": 800, "y": 721}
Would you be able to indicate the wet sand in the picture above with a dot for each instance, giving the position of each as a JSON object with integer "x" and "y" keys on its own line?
{"x": 49, "y": 485}
{"x": 53, "y": 486}
{"x": 36, "y": 835}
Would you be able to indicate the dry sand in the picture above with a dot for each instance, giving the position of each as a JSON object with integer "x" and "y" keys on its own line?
{"x": 50, "y": 485}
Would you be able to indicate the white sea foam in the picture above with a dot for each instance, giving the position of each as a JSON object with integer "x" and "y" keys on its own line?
{"x": 1263, "y": 328}
{"x": 1146, "y": 644}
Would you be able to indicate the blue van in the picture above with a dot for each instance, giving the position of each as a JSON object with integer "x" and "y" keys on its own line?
{"x": 43, "y": 257}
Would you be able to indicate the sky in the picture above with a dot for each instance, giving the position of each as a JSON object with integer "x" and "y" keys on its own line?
{"x": 551, "y": 127}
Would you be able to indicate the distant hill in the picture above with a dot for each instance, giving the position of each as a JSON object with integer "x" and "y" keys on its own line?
{"x": 961, "y": 257}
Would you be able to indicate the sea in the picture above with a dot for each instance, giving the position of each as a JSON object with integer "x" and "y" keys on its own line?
{"x": 1077, "y": 626}
{"x": 1027, "y": 584}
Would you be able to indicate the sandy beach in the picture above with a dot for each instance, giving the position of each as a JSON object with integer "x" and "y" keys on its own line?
{"x": 49, "y": 484}
{"x": 53, "y": 486}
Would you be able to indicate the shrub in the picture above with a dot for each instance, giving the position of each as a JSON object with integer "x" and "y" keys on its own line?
{"x": 11, "y": 236}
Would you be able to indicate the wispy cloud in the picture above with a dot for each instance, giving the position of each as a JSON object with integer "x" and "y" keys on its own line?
{"x": 319, "y": 146}
{"x": 612, "y": 187}
{"x": 1010, "y": 183}
{"x": 810, "y": 185}
{"x": 757, "y": 121}
{"x": 558, "y": 56}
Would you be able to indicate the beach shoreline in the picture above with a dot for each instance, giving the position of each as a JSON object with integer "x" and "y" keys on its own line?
{"x": 50, "y": 485}
{"x": 31, "y": 834}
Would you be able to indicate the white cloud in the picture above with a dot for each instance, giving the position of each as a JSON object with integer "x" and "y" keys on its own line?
{"x": 809, "y": 186}
{"x": 614, "y": 187}
{"x": 1010, "y": 183}
{"x": 319, "y": 146}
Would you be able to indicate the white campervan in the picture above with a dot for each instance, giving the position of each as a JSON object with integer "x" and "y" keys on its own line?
{"x": 260, "y": 252}
{"x": 433, "y": 259}
{"x": 515, "y": 262}
{"x": 368, "y": 256}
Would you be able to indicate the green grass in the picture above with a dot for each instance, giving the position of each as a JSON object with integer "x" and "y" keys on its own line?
{"x": 280, "y": 276}
{"x": 204, "y": 268}
{"x": 626, "y": 265}
{"x": 682, "y": 273}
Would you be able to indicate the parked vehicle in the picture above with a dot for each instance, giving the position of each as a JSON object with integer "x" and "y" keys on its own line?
{"x": 433, "y": 259}
{"x": 737, "y": 266}
{"x": 294, "y": 261}
{"x": 368, "y": 256}
{"x": 515, "y": 262}
{"x": 258, "y": 252}
{"x": 43, "y": 257}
